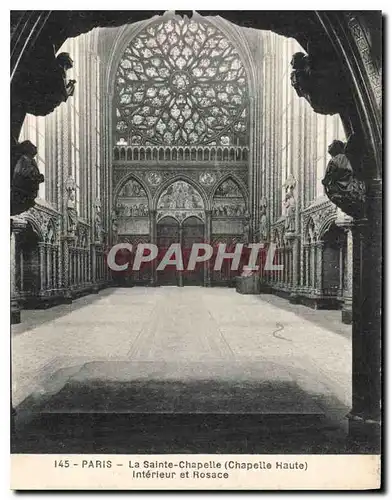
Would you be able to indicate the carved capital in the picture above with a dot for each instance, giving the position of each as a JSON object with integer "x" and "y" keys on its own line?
{"x": 18, "y": 225}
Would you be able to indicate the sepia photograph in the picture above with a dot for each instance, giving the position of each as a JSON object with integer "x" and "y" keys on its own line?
{"x": 196, "y": 238}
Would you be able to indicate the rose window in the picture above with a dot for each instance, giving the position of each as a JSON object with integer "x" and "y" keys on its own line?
{"x": 181, "y": 82}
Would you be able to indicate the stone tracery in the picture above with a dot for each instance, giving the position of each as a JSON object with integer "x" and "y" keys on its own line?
{"x": 181, "y": 82}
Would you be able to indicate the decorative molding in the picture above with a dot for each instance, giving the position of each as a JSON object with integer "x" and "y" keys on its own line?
{"x": 362, "y": 40}
{"x": 45, "y": 222}
{"x": 322, "y": 213}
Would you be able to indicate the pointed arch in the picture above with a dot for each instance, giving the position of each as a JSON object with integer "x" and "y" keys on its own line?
{"x": 236, "y": 180}
{"x": 185, "y": 178}
{"x": 137, "y": 179}
{"x": 310, "y": 230}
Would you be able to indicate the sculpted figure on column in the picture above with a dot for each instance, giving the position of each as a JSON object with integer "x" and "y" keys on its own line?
{"x": 26, "y": 178}
{"x": 263, "y": 228}
{"x": 246, "y": 228}
{"x": 44, "y": 84}
{"x": 290, "y": 205}
{"x": 72, "y": 216}
{"x": 340, "y": 184}
{"x": 98, "y": 222}
{"x": 115, "y": 216}
{"x": 318, "y": 78}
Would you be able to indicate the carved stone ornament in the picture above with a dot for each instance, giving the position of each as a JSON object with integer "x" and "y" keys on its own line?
{"x": 43, "y": 85}
{"x": 181, "y": 215}
{"x": 154, "y": 178}
{"x": 114, "y": 220}
{"x": 341, "y": 186}
{"x": 98, "y": 221}
{"x": 290, "y": 204}
{"x": 263, "y": 226}
{"x": 72, "y": 216}
{"x": 180, "y": 195}
{"x": 26, "y": 177}
{"x": 320, "y": 82}
{"x": 207, "y": 179}
{"x": 246, "y": 230}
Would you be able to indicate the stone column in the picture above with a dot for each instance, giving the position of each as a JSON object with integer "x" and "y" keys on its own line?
{"x": 312, "y": 266}
{"x": 207, "y": 264}
{"x": 17, "y": 226}
{"x": 365, "y": 414}
{"x": 153, "y": 236}
{"x": 42, "y": 267}
{"x": 347, "y": 309}
{"x": 180, "y": 281}
{"x": 304, "y": 266}
{"x": 94, "y": 272}
{"x": 48, "y": 252}
{"x": 296, "y": 263}
{"x": 67, "y": 241}
{"x": 319, "y": 249}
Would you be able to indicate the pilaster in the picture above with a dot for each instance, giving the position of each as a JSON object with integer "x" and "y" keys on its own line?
{"x": 17, "y": 226}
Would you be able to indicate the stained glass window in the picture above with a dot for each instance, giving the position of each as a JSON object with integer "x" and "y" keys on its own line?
{"x": 181, "y": 82}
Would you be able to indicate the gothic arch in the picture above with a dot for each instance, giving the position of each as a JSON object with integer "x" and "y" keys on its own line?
{"x": 35, "y": 224}
{"x": 236, "y": 180}
{"x": 310, "y": 230}
{"x": 130, "y": 31}
{"x": 326, "y": 223}
{"x": 342, "y": 34}
{"x": 188, "y": 180}
{"x": 193, "y": 216}
{"x": 125, "y": 80}
{"x": 137, "y": 179}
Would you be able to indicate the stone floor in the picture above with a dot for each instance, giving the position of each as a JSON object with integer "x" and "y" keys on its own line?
{"x": 198, "y": 353}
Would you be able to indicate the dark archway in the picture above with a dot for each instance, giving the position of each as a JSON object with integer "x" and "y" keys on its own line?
{"x": 333, "y": 40}
{"x": 168, "y": 232}
{"x": 192, "y": 231}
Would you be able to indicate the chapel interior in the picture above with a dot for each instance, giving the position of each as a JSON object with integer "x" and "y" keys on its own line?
{"x": 188, "y": 129}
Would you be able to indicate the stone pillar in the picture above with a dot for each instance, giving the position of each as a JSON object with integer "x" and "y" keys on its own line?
{"x": 42, "y": 267}
{"x": 304, "y": 268}
{"x": 312, "y": 266}
{"x": 347, "y": 309}
{"x": 67, "y": 241}
{"x": 296, "y": 263}
{"x": 295, "y": 279}
{"x": 365, "y": 414}
{"x": 180, "y": 281}
{"x": 17, "y": 226}
{"x": 48, "y": 252}
{"x": 319, "y": 249}
{"x": 94, "y": 272}
{"x": 207, "y": 238}
{"x": 153, "y": 236}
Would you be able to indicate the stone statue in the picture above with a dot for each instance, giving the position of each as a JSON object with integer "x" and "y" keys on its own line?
{"x": 319, "y": 80}
{"x": 263, "y": 227}
{"x": 26, "y": 178}
{"x": 44, "y": 85}
{"x": 65, "y": 63}
{"x": 98, "y": 221}
{"x": 289, "y": 204}
{"x": 115, "y": 216}
{"x": 246, "y": 228}
{"x": 290, "y": 212}
{"x": 340, "y": 184}
{"x": 72, "y": 216}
